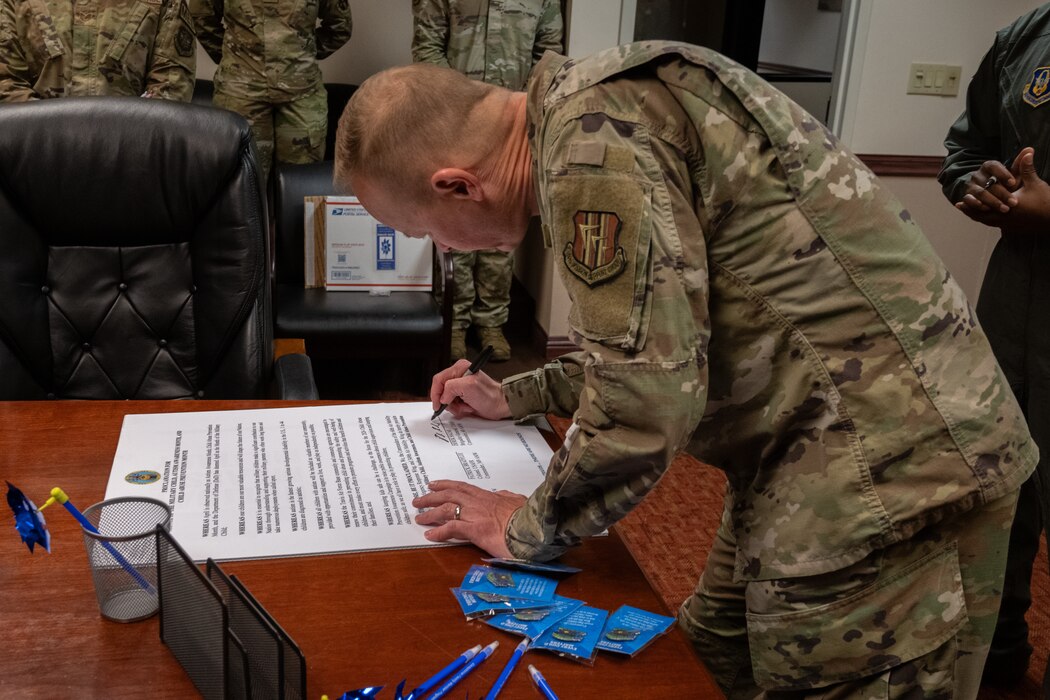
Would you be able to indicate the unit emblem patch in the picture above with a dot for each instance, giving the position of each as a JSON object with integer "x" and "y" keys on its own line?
{"x": 595, "y": 255}
{"x": 1037, "y": 91}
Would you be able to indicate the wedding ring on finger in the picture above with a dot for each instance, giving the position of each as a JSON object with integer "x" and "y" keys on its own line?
{"x": 991, "y": 181}
{"x": 459, "y": 509}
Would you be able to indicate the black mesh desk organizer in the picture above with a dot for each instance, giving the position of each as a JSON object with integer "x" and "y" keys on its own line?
{"x": 229, "y": 646}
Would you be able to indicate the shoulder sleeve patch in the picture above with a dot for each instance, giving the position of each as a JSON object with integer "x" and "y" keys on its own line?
{"x": 601, "y": 231}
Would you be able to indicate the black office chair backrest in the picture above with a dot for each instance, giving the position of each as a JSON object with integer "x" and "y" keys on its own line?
{"x": 290, "y": 184}
{"x": 134, "y": 260}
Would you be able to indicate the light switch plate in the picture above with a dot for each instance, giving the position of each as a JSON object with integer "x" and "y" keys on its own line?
{"x": 934, "y": 79}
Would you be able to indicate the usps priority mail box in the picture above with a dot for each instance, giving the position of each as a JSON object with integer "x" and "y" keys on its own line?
{"x": 363, "y": 255}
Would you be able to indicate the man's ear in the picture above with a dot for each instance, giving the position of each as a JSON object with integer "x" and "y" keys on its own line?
{"x": 457, "y": 183}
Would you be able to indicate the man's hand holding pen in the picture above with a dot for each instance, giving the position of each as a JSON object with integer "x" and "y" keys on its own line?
{"x": 464, "y": 390}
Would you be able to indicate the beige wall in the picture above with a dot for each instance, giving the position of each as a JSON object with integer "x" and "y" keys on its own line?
{"x": 881, "y": 118}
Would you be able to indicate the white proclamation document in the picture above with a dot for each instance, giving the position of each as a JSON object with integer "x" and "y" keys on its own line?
{"x": 293, "y": 481}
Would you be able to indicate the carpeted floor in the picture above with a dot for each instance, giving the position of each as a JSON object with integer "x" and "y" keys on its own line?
{"x": 670, "y": 533}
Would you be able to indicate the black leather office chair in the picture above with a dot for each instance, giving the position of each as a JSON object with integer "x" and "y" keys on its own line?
{"x": 134, "y": 255}
{"x": 353, "y": 325}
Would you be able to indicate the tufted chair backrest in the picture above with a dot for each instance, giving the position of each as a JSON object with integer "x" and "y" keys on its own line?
{"x": 134, "y": 258}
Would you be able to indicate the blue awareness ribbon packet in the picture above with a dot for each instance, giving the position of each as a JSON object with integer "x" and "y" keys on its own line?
{"x": 533, "y": 623}
{"x": 512, "y": 584}
{"x": 477, "y": 604}
{"x": 535, "y": 566}
{"x": 629, "y": 630}
{"x": 575, "y": 636}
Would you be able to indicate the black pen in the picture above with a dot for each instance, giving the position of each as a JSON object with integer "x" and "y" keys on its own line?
{"x": 474, "y": 368}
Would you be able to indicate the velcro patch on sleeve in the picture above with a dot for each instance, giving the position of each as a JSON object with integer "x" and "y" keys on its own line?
{"x": 601, "y": 232}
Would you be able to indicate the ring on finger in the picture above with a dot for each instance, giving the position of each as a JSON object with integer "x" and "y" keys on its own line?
{"x": 459, "y": 510}
{"x": 991, "y": 181}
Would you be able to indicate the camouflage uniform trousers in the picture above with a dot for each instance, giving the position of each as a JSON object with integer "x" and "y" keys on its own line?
{"x": 481, "y": 293}
{"x": 875, "y": 614}
{"x": 288, "y": 131}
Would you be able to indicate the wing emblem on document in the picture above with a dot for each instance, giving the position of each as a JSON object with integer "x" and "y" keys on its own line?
{"x": 142, "y": 476}
{"x": 1037, "y": 91}
{"x": 595, "y": 254}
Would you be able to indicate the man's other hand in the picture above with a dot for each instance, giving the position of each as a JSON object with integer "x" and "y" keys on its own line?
{"x": 473, "y": 395}
{"x": 483, "y": 515}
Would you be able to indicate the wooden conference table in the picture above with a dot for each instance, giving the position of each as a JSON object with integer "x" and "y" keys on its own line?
{"x": 360, "y": 619}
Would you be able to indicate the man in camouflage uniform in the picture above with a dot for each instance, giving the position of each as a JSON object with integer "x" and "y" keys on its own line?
{"x": 267, "y": 52}
{"x": 96, "y": 47}
{"x": 497, "y": 42}
{"x": 743, "y": 288}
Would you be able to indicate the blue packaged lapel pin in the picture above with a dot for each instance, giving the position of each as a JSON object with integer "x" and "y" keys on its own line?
{"x": 575, "y": 636}
{"x": 533, "y": 623}
{"x": 512, "y": 584}
{"x": 475, "y": 605}
{"x": 534, "y": 566}
{"x": 629, "y": 630}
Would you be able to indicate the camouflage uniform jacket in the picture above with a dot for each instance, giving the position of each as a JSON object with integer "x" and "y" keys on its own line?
{"x": 744, "y": 288}
{"x": 495, "y": 41}
{"x": 271, "y": 45}
{"x": 95, "y": 47}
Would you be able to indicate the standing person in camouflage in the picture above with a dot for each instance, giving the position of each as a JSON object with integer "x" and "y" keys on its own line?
{"x": 996, "y": 173}
{"x": 267, "y": 52}
{"x": 744, "y": 288}
{"x": 497, "y": 42}
{"x": 91, "y": 47}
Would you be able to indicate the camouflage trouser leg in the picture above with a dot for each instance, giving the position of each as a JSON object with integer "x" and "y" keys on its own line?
{"x": 482, "y": 288}
{"x": 462, "y": 288}
{"x": 493, "y": 271}
{"x": 260, "y": 115}
{"x": 300, "y": 127}
{"x": 914, "y": 620}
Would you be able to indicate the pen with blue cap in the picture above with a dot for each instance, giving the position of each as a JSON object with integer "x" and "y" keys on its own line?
{"x": 541, "y": 683}
{"x": 505, "y": 673}
{"x": 441, "y": 675}
{"x": 474, "y": 368}
{"x": 464, "y": 671}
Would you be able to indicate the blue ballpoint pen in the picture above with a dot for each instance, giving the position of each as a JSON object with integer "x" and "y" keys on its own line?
{"x": 505, "y": 673}
{"x": 443, "y": 673}
{"x": 462, "y": 673}
{"x": 541, "y": 683}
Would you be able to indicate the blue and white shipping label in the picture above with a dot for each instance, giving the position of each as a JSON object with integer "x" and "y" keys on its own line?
{"x": 513, "y": 584}
{"x": 576, "y": 636}
{"x": 363, "y": 254}
{"x": 477, "y": 605}
{"x": 629, "y": 630}
{"x": 386, "y": 248}
{"x": 526, "y": 565}
{"x": 533, "y": 623}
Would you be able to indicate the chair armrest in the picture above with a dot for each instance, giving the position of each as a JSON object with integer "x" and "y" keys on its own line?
{"x": 294, "y": 378}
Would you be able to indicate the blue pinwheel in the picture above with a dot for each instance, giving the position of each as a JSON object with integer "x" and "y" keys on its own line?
{"x": 29, "y": 521}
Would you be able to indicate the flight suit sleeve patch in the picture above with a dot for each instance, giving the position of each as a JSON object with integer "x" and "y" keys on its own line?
{"x": 601, "y": 234}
